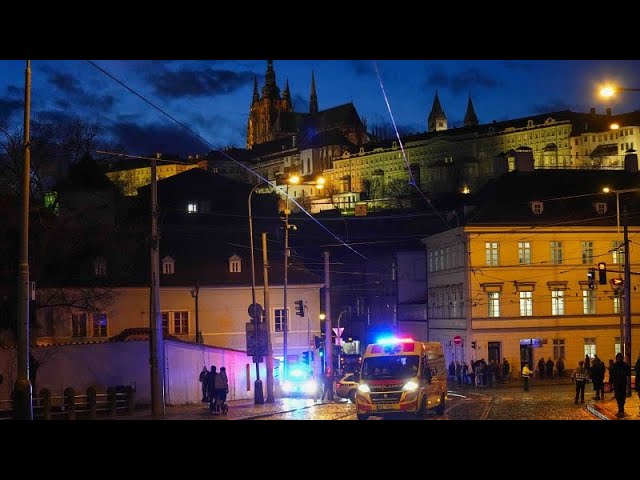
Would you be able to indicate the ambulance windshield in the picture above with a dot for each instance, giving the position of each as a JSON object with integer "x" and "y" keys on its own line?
{"x": 396, "y": 367}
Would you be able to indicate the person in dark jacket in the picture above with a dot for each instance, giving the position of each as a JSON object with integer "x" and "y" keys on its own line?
{"x": 211, "y": 388}
{"x": 550, "y": 366}
{"x": 201, "y": 378}
{"x": 618, "y": 378}
{"x": 541, "y": 367}
{"x": 597, "y": 376}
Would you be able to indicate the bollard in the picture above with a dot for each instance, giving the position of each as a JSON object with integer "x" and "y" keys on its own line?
{"x": 69, "y": 403}
{"x": 45, "y": 398}
{"x": 131, "y": 399}
{"x": 92, "y": 402}
{"x": 112, "y": 398}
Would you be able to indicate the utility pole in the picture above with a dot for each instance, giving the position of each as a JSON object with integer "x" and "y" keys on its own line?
{"x": 194, "y": 293}
{"x": 627, "y": 301}
{"x": 285, "y": 314}
{"x": 23, "y": 407}
{"x": 267, "y": 310}
{"x": 328, "y": 346}
{"x": 156, "y": 340}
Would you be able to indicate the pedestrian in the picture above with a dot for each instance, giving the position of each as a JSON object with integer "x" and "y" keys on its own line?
{"x": 550, "y": 366}
{"x": 505, "y": 369}
{"x": 579, "y": 376}
{"x": 541, "y": 367}
{"x": 221, "y": 389}
{"x": 597, "y": 376}
{"x": 587, "y": 362}
{"x": 210, "y": 380}
{"x": 560, "y": 367}
{"x": 452, "y": 370}
{"x": 328, "y": 385}
{"x": 526, "y": 373}
{"x": 201, "y": 379}
{"x": 618, "y": 378}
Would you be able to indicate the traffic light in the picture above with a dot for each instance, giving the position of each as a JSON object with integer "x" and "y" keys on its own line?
{"x": 591, "y": 278}
{"x": 617, "y": 283}
{"x": 305, "y": 357}
{"x": 473, "y": 344}
{"x": 602, "y": 273}
{"x": 299, "y": 308}
{"x": 317, "y": 341}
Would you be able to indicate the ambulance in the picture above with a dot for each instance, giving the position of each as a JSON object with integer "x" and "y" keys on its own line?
{"x": 401, "y": 375}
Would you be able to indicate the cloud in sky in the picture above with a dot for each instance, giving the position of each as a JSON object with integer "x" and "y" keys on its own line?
{"x": 362, "y": 67}
{"x": 72, "y": 94}
{"x": 464, "y": 80}
{"x": 555, "y": 106}
{"x": 155, "y": 137}
{"x": 194, "y": 82}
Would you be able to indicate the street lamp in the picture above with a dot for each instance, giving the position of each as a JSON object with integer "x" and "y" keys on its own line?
{"x": 338, "y": 336}
{"x": 627, "y": 277}
{"x": 609, "y": 91}
{"x": 194, "y": 293}
{"x": 293, "y": 180}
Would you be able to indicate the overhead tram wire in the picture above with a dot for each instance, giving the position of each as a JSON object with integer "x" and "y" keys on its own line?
{"x": 197, "y": 135}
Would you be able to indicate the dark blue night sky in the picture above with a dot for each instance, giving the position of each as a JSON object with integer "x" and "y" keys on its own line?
{"x": 213, "y": 97}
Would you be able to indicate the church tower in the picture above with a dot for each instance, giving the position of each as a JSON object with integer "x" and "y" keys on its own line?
{"x": 313, "y": 98}
{"x": 470, "y": 118}
{"x": 437, "y": 119}
{"x": 264, "y": 110}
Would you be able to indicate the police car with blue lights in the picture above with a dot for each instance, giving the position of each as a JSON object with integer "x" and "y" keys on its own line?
{"x": 300, "y": 383}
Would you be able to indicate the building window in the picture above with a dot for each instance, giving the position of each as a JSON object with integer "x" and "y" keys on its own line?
{"x": 588, "y": 302}
{"x": 491, "y": 251}
{"x": 165, "y": 323}
{"x": 617, "y": 252}
{"x": 192, "y": 207}
{"x": 180, "y": 323}
{"x": 558, "y": 349}
{"x": 556, "y": 252}
{"x": 235, "y": 264}
{"x": 590, "y": 347}
{"x": 587, "y": 252}
{"x": 524, "y": 253}
{"x": 494, "y": 304}
{"x": 79, "y": 325}
{"x": 601, "y": 208}
{"x": 99, "y": 324}
{"x": 278, "y": 319}
{"x": 617, "y": 346}
{"x": 616, "y": 304}
{"x": 168, "y": 266}
{"x": 537, "y": 207}
{"x": 526, "y": 304}
{"x": 557, "y": 302}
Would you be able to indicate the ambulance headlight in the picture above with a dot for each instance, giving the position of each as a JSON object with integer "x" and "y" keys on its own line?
{"x": 310, "y": 387}
{"x": 410, "y": 386}
{"x": 364, "y": 388}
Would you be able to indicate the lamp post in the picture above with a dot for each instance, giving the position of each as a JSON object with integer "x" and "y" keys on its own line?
{"x": 609, "y": 91}
{"x": 194, "y": 293}
{"x": 294, "y": 179}
{"x": 627, "y": 278}
{"x": 338, "y": 337}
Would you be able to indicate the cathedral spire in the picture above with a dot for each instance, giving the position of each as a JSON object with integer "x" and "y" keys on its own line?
{"x": 286, "y": 94}
{"x": 256, "y": 95}
{"x": 437, "y": 119}
{"x": 270, "y": 89}
{"x": 313, "y": 98}
{"x": 470, "y": 118}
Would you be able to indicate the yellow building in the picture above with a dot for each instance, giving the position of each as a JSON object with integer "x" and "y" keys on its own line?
{"x": 513, "y": 280}
{"x": 132, "y": 179}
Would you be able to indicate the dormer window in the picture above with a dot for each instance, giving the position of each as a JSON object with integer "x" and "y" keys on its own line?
{"x": 100, "y": 267}
{"x": 192, "y": 207}
{"x": 601, "y": 207}
{"x": 235, "y": 264}
{"x": 537, "y": 207}
{"x": 168, "y": 265}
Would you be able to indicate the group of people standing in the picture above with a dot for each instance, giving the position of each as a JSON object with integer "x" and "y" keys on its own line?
{"x": 215, "y": 387}
{"x": 479, "y": 373}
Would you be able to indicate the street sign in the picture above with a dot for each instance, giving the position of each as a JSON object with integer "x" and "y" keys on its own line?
{"x": 360, "y": 210}
{"x": 457, "y": 339}
{"x": 255, "y": 310}
{"x": 338, "y": 331}
{"x": 256, "y": 347}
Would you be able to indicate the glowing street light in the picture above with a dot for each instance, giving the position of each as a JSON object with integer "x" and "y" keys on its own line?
{"x": 609, "y": 91}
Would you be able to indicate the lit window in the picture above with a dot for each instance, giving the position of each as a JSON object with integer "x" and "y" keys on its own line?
{"x": 168, "y": 265}
{"x": 181, "y": 323}
{"x": 278, "y": 319}
{"x": 557, "y": 302}
{"x": 524, "y": 253}
{"x": 616, "y": 304}
{"x": 556, "y": 252}
{"x": 617, "y": 346}
{"x": 494, "y": 304}
{"x": 588, "y": 302}
{"x": 601, "y": 208}
{"x": 558, "y": 349}
{"x": 590, "y": 347}
{"x": 99, "y": 324}
{"x": 526, "y": 304}
{"x": 491, "y": 252}
{"x": 587, "y": 253}
{"x": 192, "y": 207}
{"x": 235, "y": 264}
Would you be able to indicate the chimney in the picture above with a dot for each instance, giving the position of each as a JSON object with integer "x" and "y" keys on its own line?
{"x": 592, "y": 111}
{"x": 608, "y": 112}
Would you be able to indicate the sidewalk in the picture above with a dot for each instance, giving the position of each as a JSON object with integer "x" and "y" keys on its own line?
{"x": 238, "y": 410}
{"x": 607, "y": 409}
